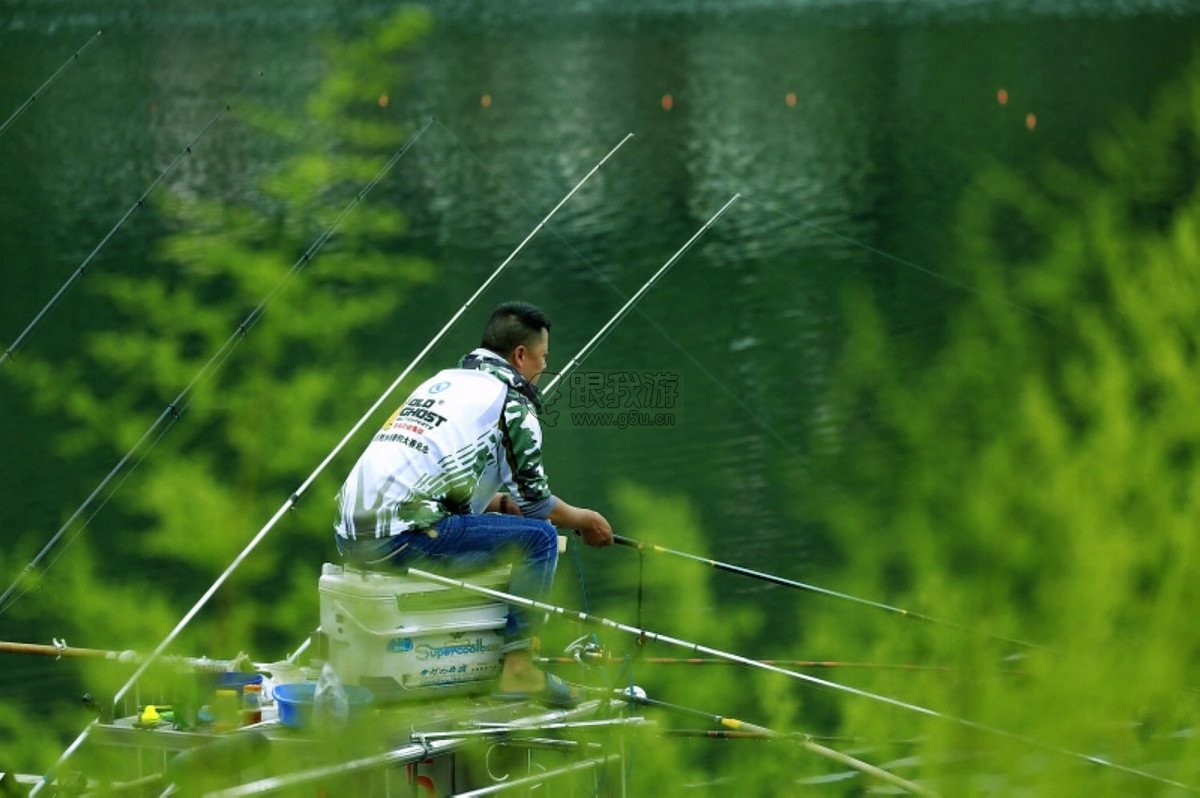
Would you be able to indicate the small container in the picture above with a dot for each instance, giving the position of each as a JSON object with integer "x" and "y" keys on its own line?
{"x": 236, "y": 680}
{"x": 282, "y": 672}
{"x": 295, "y": 702}
{"x": 225, "y": 710}
{"x": 251, "y": 704}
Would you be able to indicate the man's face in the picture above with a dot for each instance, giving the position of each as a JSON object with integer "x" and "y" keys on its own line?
{"x": 530, "y": 360}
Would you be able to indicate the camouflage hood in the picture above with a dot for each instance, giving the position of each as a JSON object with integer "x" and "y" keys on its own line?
{"x": 488, "y": 361}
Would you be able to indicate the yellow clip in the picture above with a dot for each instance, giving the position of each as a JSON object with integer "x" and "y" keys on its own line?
{"x": 150, "y": 715}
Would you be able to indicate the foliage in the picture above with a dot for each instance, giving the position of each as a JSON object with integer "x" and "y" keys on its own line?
{"x": 251, "y": 431}
{"x": 1035, "y": 478}
{"x": 1039, "y": 478}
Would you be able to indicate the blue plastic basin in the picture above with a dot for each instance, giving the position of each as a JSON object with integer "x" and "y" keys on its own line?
{"x": 295, "y": 702}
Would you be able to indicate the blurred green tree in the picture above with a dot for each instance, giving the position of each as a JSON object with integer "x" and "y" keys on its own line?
{"x": 1039, "y": 475}
{"x": 260, "y": 425}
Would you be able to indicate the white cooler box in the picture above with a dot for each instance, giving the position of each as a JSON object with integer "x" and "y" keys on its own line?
{"x": 404, "y": 637}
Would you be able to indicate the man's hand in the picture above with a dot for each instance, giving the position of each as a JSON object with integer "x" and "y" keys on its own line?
{"x": 590, "y": 525}
{"x": 595, "y": 529}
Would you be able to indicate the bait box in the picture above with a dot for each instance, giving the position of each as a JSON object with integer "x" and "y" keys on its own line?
{"x": 403, "y": 637}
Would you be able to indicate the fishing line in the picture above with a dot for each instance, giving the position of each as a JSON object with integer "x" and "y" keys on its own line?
{"x": 583, "y": 617}
{"x": 641, "y": 584}
{"x": 67, "y": 64}
{"x": 295, "y": 497}
{"x": 587, "y": 651}
{"x": 140, "y": 203}
{"x": 580, "y": 649}
{"x": 584, "y": 652}
{"x": 180, "y": 403}
{"x": 579, "y": 569}
{"x": 928, "y": 272}
{"x": 750, "y": 413}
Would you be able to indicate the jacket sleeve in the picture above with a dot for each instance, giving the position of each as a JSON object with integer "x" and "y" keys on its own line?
{"x": 523, "y": 450}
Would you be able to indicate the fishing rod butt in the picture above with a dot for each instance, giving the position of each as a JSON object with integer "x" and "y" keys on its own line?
{"x": 621, "y": 540}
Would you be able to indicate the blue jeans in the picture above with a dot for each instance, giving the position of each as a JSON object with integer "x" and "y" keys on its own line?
{"x": 467, "y": 543}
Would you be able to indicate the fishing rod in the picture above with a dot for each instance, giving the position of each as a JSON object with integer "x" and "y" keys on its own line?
{"x": 61, "y": 649}
{"x": 795, "y": 663}
{"x": 171, "y": 413}
{"x": 138, "y": 204}
{"x": 779, "y": 580}
{"x": 295, "y": 497}
{"x": 596, "y": 620}
{"x": 23, "y": 107}
{"x": 734, "y": 728}
{"x": 608, "y": 326}
{"x": 716, "y": 734}
{"x": 501, "y": 729}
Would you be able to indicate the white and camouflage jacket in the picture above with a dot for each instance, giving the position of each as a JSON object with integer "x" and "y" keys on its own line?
{"x": 461, "y": 436}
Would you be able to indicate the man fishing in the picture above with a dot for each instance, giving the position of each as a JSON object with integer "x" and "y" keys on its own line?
{"x": 454, "y": 482}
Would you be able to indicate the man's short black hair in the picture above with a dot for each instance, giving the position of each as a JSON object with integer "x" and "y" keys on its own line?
{"x": 512, "y": 324}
